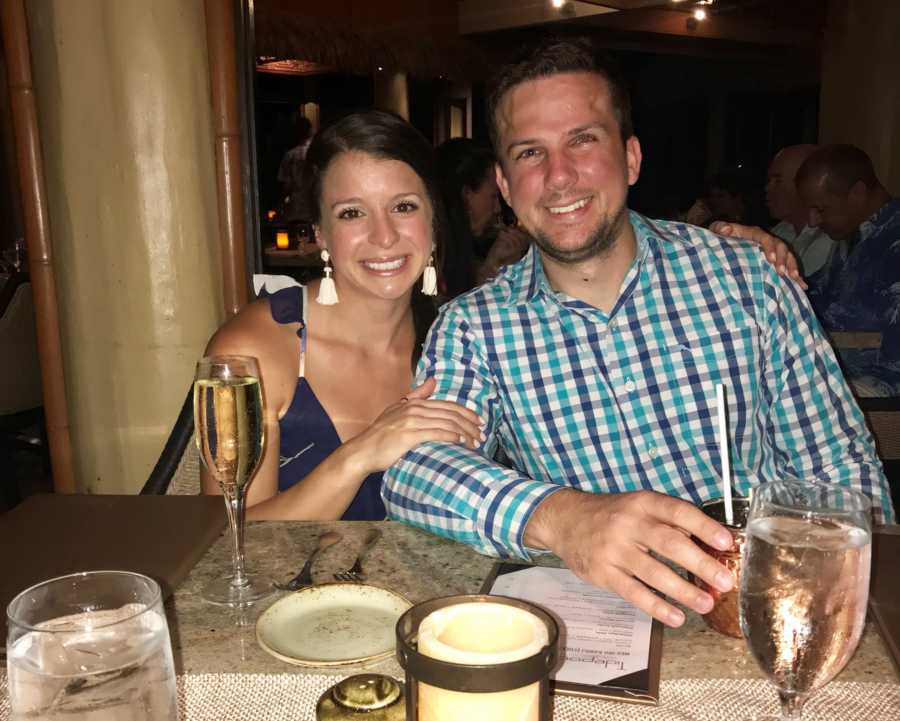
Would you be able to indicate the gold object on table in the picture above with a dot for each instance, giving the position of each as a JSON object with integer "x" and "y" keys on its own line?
{"x": 377, "y": 697}
{"x": 725, "y": 614}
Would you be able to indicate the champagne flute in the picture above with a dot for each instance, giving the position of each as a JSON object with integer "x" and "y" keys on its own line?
{"x": 805, "y": 584}
{"x": 229, "y": 423}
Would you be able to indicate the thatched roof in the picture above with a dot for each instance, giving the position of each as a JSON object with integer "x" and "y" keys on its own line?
{"x": 420, "y": 37}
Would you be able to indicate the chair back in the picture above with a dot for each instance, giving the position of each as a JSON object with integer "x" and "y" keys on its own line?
{"x": 186, "y": 479}
{"x": 855, "y": 339}
{"x": 885, "y": 426}
{"x": 20, "y": 372}
{"x": 177, "y": 472}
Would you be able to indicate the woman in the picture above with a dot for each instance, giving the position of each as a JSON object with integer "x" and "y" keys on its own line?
{"x": 336, "y": 375}
{"x": 470, "y": 195}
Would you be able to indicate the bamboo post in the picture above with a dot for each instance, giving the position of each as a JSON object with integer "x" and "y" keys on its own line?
{"x": 220, "y": 39}
{"x": 37, "y": 238}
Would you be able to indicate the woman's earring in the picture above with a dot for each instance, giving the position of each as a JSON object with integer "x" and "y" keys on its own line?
{"x": 327, "y": 292}
{"x": 429, "y": 278}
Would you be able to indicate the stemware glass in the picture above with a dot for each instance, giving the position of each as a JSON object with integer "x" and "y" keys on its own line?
{"x": 805, "y": 584}
{"x": 229, "y": 423}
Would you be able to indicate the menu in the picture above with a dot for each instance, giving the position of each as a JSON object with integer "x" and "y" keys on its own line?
{"x": 609, "y": 648}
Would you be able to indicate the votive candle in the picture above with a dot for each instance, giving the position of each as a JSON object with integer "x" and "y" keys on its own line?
{"x": 476, "y": 634}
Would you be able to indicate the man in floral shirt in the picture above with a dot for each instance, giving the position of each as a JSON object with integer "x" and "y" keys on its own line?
{"x": 858, "y": 288}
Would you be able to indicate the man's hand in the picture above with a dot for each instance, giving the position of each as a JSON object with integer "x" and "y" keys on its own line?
{"x": 778, "y": 253}
{"x": 606, "y": 539}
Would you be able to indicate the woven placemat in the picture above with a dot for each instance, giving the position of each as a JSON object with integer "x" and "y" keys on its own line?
{"x": 293, "y": 697}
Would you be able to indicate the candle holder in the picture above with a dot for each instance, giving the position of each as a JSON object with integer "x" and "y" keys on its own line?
{"x": 438, "y": 689}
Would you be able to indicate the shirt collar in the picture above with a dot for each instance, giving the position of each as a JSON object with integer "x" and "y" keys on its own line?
{"x": 531, "y": 280}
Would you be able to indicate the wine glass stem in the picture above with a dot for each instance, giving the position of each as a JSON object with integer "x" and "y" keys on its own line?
{"x": 234, "y": 507}
{"x": 791, "y": 705}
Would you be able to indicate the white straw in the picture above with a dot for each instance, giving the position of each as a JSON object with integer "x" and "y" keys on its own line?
{"x": 724, "y": 452}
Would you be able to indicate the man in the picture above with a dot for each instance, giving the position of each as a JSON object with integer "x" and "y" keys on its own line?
{"x": 811, "y": 245}
{"x": 594, "y": 362}
{"x": 859, "y": 287}
{"x": 290, "y": 170}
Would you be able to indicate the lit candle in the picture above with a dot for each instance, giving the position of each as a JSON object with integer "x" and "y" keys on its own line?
{"x": 281, "y": 239}
{"x": 480, "y": 634}
{"x": 271, "y": 214}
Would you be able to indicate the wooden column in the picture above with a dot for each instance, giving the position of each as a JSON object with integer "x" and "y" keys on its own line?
{"x": 220, "y": 40}
{"x": 37, "y": 237}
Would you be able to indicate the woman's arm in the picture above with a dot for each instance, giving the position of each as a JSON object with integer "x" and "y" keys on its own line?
{"x": 327, "y": 491}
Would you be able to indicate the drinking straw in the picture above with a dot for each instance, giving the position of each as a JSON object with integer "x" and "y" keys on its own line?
{"x": 723, "y": 452}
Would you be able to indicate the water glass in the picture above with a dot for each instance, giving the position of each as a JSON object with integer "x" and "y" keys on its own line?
{"x": 805, "y": 584}
{"x": 90, "y": 647}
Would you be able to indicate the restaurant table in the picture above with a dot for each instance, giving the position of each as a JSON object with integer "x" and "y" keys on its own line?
{"x": 698, "y": 665}
{"x": 224, "y": 674}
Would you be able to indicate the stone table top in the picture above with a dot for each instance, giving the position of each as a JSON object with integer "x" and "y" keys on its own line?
{"x": 420, "y": 566}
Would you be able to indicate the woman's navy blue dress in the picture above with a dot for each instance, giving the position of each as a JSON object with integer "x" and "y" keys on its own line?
{"x": 307, "y": 434}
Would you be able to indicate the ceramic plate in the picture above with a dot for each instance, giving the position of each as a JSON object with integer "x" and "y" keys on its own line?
{"x": 332, "y": 624}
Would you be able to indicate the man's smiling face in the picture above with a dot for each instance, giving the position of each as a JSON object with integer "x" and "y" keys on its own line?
{"x": 563, "y": 166}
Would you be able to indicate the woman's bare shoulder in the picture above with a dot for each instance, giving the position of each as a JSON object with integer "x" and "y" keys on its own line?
{"x": 253, "y": 332}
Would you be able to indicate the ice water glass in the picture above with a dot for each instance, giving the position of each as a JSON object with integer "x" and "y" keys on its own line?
{"x": 90, "y": 647}
{"x": 805, "y": 584}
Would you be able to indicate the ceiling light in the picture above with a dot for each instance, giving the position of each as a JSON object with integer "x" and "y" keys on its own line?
{"x": 558, "y": 3}
{"x": 699, "y": 14}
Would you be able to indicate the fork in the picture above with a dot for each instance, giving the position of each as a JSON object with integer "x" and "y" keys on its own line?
{"x": 355, "y": 574}
{"x": 304, "y": 578}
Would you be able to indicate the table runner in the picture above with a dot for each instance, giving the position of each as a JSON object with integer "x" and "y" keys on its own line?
{"x": 293, "y": 697}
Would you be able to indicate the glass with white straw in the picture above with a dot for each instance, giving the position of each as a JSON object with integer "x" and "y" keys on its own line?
{"x": 731, "y": 512}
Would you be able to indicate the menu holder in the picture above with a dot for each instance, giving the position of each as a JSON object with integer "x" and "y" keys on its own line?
{"x": 618, "y": 662}
{"x": 884, "y": 595}
{"x": 51, "y": 535}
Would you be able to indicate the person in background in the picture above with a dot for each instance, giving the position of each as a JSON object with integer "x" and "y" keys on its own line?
{"x": 858, "y": 287}
{"x": 290, "y": 171}
{"x": 729, "y": 196}
{"x": 812, "y": 246}
{"x": 477, "y": 244}
{"x": 336, "y": 372}
{"x": 595, "y": 360}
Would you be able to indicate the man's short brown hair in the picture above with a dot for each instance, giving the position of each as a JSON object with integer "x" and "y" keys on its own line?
{"x": 552, "y": 56}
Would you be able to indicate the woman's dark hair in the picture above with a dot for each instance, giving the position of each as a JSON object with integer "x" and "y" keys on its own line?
{"x": 385, "y": 136}
{"x": 462, "y": 163}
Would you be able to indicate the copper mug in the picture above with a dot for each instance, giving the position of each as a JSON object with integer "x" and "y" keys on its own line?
{"x": 725, "y": 614}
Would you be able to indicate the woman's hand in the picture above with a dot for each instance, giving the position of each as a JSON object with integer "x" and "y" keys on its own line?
{"x": 777, "y": 252}
{"x": 413, "y": 420}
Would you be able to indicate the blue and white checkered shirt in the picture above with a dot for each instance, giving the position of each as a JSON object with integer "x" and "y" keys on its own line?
{"x": 627, "y": 401}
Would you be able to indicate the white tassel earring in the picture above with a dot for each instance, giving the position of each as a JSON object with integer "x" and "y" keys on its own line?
{"x": 327, "y": 292}
{"x": 429, "y": 278}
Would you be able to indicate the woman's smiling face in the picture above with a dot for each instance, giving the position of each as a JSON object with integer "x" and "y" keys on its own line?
{"x": 376, "y": 222}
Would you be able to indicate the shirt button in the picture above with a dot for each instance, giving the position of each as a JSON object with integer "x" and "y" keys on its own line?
{"x": 653, "y": 452}
{"x": 629, "y": 386}
{"x": 612, "y": 324}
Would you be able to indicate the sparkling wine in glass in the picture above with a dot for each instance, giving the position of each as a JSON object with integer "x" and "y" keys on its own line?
{"x": 805, "y": 584}
{"x": 229, "y": 423}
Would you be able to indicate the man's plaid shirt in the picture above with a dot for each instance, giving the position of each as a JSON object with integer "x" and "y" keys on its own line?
{"x": 627, "y": 401}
